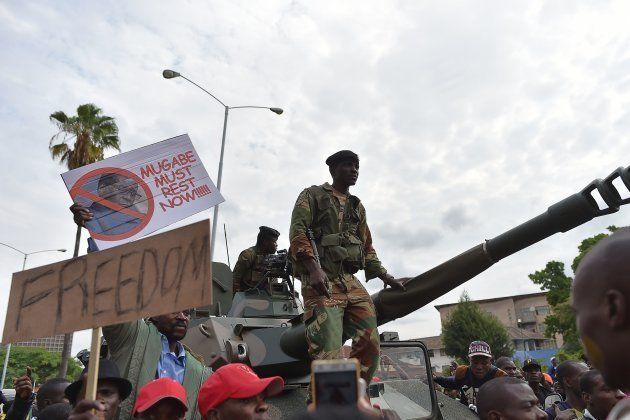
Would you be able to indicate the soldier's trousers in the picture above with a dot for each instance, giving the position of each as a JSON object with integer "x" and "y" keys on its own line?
{"x": 349, "y": 313}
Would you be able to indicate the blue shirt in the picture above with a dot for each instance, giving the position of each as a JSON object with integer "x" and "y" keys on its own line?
{"x": 171, "y": 365}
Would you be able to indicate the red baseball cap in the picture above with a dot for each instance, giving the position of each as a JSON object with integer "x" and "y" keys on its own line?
{"x": 157, "y": 390}
{"x": 235, "y": 380}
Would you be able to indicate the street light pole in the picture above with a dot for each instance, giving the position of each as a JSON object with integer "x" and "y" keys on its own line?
{"x": 6, "y": 356}
{"x": 215, "y": 215}
{"x": 170, "y": 74}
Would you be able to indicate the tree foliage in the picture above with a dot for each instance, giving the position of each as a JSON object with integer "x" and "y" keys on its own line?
{"x": 44, "y": 364}
{"x": 554, "y": 280}
{"x": 468, "y": 323}
{"x": 83, "y": 138}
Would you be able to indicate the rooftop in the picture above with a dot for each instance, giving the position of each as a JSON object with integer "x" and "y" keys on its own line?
{"x": 432, "y": 343}
{"x": 520, "y": 334}
{"x": 438, "y": 307}
{"x": 435, "y": 342}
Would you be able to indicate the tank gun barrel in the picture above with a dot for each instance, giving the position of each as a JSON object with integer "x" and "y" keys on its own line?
{"x": 563, "y": 216}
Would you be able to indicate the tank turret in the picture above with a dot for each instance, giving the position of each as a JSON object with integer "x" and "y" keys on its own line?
{"x": 273, "y": 341}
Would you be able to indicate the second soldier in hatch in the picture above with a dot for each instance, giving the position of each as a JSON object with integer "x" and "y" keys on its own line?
{"x": 248, "y": 271}
{"x": 335, "y": 303}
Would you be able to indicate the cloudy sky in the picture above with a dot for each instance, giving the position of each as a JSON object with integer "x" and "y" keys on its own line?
{"x": 469, "y": 117}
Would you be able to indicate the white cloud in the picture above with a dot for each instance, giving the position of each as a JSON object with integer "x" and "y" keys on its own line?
{"x": 469, "y": 118}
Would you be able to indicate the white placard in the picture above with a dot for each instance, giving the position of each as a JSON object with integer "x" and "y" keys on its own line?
{"x": 138, "y": 192}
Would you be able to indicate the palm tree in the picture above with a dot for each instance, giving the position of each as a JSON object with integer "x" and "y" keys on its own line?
{"x": 82, "y": 139}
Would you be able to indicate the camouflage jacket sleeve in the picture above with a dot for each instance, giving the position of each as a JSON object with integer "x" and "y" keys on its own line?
{"x": 301, "y": 219}
{"x": 245, "y": 261}
{"x": 373, "y": 266}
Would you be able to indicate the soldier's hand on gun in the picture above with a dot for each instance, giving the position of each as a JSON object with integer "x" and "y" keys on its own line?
{"x": 389, "y": 280}
{"x": 81, "y": 214}
{"x": 318, "y": 281}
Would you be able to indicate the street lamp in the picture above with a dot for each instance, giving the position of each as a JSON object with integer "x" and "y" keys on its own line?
{"x": 170, "y": 74}
{"x": 26, "y": 254}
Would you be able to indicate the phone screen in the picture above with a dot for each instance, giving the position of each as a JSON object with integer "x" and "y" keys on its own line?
{"x": 336, "y": 387}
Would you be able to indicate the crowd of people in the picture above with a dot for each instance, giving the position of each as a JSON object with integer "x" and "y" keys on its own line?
{"x": 572, "y": 389}
{"x": 149, "y": 374}
{"x": 234, "y": 391}
{"x": 500, "y": 390}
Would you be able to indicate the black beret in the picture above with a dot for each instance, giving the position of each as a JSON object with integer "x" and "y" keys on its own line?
{"x": 341, "y": 156}
{"x": 269, "y": 231}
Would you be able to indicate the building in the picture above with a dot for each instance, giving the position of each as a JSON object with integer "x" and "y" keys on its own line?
{"x": 522, "y": 315}
{"x": 520, "y": 312}
{"x": 440, "y": 362}
{"x": 52, "y": 344}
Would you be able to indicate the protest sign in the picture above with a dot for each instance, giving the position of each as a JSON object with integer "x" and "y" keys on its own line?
{"x": 136, "y": 193}
{"x": 152, "y": 276}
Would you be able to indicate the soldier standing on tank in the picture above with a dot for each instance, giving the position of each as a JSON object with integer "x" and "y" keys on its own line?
{"x": 336, "y": 305}
{"x": 248, "y": 271}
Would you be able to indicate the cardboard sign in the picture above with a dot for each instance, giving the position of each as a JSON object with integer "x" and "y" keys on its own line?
{"x": 153, "y": 276}
{"x": 136, "y": 193}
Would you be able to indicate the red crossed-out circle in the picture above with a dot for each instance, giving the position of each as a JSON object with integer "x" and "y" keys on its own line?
{"x": 145, "y": 218}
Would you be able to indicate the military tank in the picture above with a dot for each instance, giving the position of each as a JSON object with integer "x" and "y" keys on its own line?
{"x": 263, "y": 327}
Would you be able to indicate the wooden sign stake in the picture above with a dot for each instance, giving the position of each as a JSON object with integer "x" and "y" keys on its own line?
{"x": 95, "y": 358}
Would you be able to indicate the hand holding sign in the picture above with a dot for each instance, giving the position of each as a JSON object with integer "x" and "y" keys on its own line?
{"x": 132, "y": 194}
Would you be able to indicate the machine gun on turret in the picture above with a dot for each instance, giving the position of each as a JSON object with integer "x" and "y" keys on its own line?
{"x": 277, "y": 266}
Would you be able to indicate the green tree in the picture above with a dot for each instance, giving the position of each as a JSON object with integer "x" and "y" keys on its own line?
{"x": 468, "y": 323}
{"x": 554, "y": 280}
{"x": 82, "y": 139}
{"x": 44, "y": 364}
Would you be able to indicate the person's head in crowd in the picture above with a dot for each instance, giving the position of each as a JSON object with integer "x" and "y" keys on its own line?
{"x": 598, "y": 396}
{"x": 174, "y": 325}
{"x": 480, "y": 358}
{"x": 508, "y": 398}
{"x": 507, "y": 365}
{"x": 161, "y": 399}
{"x": 267, "y": 240}
{"x": 56, "y": 411}
{"x": 600, "y": 297}
{"x": 111, "y": 388}
{"x": 234, "y": 391}
{"x": 52, "y": 392}
{"x": 568, "y": 376}
{"x": 532, "y": 373}
{"x": 554, "y": 361}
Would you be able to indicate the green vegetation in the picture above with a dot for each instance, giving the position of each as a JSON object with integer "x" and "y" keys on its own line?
{"x": 82, "y": 139}
{"x": 44, "y": 364}
{"x": 469, "y": 323}
{"x": 553, "y": 279}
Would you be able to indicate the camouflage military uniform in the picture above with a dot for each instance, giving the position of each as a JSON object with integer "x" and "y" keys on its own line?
{"x": 248, "y": 270}
{"x": 344, "y": 245}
